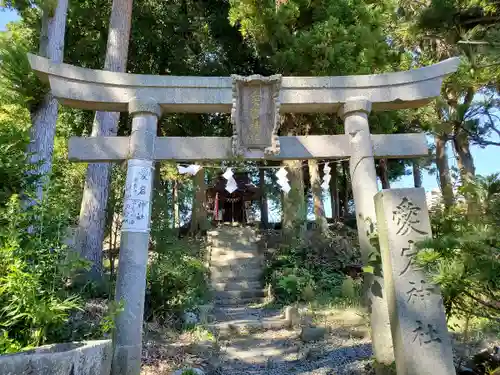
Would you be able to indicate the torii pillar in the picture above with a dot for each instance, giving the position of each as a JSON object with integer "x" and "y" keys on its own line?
{"x": 364, "y": 187}
{"x": 131, "y": 278}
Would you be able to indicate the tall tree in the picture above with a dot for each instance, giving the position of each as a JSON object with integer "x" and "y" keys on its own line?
{"x": 44, "y": 116}
{"x": 334, "y": 192}
{"x": 199, "y": 214}
{"x": 437, "y": 29}
{"x": 383, "y": 173}
{"x": 175, "y": 204}
{"x": 264, "y": 210}
{"x": 95, "y": 196}
{"x": 317, "y": 194}
{"x": 294, "y": 207}
{"x": 443, "y": 170}
{"x": 417, "y": 174}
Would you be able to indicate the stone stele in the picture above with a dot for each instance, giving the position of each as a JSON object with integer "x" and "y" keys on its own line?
{"x": 422, "y": 345}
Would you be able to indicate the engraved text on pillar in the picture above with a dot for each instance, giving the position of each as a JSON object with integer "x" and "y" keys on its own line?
{"x": 137, "y": 204}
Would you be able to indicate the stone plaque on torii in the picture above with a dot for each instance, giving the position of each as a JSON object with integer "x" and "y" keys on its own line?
{"x": 255, "y": 104}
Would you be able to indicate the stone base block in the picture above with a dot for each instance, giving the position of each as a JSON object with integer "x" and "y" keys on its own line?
{"x": 127, "y": 360}
{"x": 78, "y": 358}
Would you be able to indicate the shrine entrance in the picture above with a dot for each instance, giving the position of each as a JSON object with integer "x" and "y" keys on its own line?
{"x": 231, "y": 207}
{"x": 256, "y": 104}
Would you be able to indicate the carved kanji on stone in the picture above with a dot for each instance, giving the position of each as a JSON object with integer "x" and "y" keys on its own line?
{"x": 255, "y": 115}
{"x": 408, "y": 252}
{"x": 422, "y": 344}
{"x": 419, "y": 291}
{"x": 406, "y": 217}
{"x": 426, "y": 333}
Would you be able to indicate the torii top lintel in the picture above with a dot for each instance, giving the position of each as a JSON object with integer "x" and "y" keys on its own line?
{"x": 110, "y": 91}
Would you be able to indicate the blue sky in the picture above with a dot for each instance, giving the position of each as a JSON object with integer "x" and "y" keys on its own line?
{"x": 487, "y": 160}
{"x": 6, "y": 16}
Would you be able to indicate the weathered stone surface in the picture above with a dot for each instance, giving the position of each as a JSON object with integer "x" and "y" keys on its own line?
{"x": 255, "y": 115}
{"x": 131, "y": 278}
{"x": 292, "y": 316}
{"x": 364, "y": 188}
{"x": 111, "y": 91}
{"x": 205, "y": 313}
{"x": 94, "y": 149}
{"x": 86, "y": 358}
{"x": 309, "y": 334}
{"x": 422, "y": 344}
{"x": 147, "y": 105}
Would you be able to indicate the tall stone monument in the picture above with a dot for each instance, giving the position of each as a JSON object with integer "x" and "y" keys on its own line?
{"x": 422, "y": 345}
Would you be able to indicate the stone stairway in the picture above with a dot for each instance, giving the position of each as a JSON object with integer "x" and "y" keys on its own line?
{"x": 253, "y": 340}
{"x": 236, "y": 272}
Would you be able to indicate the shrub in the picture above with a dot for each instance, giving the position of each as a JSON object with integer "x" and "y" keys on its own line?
{"x": 177, "y": 278}
{"x": 306, "y": 268}
{"x": 34, "y": 272}
{"x": 463, "y": 257}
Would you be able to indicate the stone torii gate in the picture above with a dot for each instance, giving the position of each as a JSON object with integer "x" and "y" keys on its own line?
{"x": 255, "y": 104}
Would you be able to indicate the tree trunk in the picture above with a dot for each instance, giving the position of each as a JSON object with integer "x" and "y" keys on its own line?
{"x": 294, "y": 208}
{"x": 175, "y": 200}
{"x": 443, "y": 169}
{"x": 159, "y": 205}
{"x": 317, "y": 195}
{"x": 199, "y": 215}
{"x": 44, "y": 117}
{"x": 417, "y": 174}
{"x": 264, "y": 211}
{"x": 345, "y": 171}
{"x": 384, "y": 174}
{"x": 96, "y": 191}
{"x": 465, "y": 163}
{"x": 465, "y": 160}
{"x": 334, "y": 192}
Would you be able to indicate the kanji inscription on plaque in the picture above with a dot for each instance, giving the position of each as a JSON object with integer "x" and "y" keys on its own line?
{"x": 137, "y": 204}
{"x": 255, "y": 115}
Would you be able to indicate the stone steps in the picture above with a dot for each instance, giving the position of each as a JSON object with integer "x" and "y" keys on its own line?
{"x": 229, "y": 253}
{"x": 231, "y": 301}
{"x": 235, "y": 262}
{"x": 245, "y": 326}
{"x": 218, "y": 273}
{"x": 236, "y": 284}
{"x": 244, "y": 313}
{"x": 242, "y": 294}
{"x": 236, "y": 270}
{"x": 236, "y": 253}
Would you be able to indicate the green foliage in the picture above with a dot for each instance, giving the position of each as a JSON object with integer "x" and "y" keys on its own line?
{"x": 35, "y": 271}
{"x": 319, "y": 38}
{"x": 177, "y": 278}
{"x": 108, "y": 322}
{"x": 463, "y": 257}
{"x": 305, "y": 269}
{"x": 18, "y": 82}
{"x": 13, "y": 142}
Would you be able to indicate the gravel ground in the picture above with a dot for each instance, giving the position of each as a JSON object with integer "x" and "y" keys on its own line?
{"x": 337, "y": 354}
